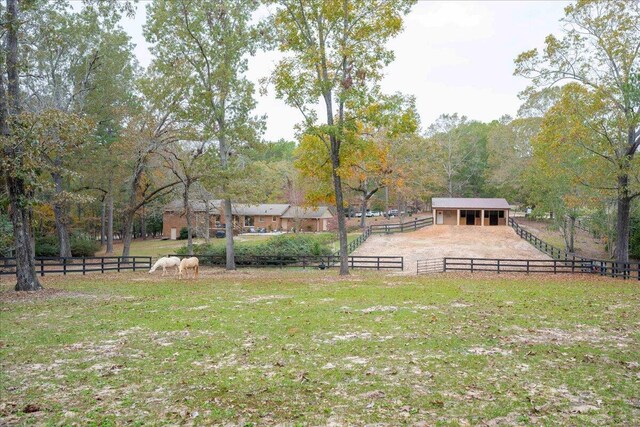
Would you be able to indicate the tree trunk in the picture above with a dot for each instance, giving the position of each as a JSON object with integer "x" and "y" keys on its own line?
{"x": 127, "y": 232}
{"x": 207, "y": 222}
{"x": 386, "y": 202}
{"x": 622, "y": 228}
{"x": 19, "y": 193}
{"x": 110, "y": 224}
{"x": 59, "y": 216}
{"x": 342, "y": 225}
{"x": 143, "y": 223}
{"x": 228, "y": 228}
{"x": 572, "y": 231}
{"x": 103, "y": 219}
{"x": 187, "y": 213}
{"x": 363, "y": 209}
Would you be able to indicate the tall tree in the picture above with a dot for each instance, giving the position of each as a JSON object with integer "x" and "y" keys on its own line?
{"x": 15, "y": 164}
{"x": 184, "y": 160}
{"x": 201, "y": 50}
{"x": 336, "y": 54}
{"x": 77, "y": 60}
{"x": 458, "y": 147}
{"x": 600, "y": 51}
{"x": 509, "y": 156}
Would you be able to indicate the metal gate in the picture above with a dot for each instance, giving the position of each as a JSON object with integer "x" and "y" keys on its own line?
{"x": 426, "y": 266}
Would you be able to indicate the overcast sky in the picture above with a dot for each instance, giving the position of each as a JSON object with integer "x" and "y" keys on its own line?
{"x": 452, "y": 56}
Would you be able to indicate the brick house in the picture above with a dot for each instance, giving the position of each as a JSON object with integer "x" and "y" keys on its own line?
{"x": 246, "y": 217}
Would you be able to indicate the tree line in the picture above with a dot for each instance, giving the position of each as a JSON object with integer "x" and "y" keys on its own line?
{"x": 92, "y": 142}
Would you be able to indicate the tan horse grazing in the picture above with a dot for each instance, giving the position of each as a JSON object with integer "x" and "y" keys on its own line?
{"x": 189, "y": 264}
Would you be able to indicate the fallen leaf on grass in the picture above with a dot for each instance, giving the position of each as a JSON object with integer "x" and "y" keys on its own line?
{"x": 31, "y": 408}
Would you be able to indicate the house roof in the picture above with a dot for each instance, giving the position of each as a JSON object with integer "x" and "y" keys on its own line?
{"x": 196, "y": 205}
{"x": 266, "y": 209}
{"x": 261, "y": 209}
{"x": 468, "y": 203}
{"x": 307, "y": 213}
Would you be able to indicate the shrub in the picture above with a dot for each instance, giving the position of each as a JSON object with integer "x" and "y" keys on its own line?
{"x": 6, "y": 235}
{"x": 47, "y": 246}
{"x": 81, "y": 245}
{"x": 634, "y": 238}
{"x": 291, "y": 245}
{"x": 84, "y": 246}
{"x": 184, "y": 234}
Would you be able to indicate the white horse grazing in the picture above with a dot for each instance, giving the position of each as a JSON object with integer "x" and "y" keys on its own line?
{"x": 166, "y": 262}
{"x": 189, "y": 264}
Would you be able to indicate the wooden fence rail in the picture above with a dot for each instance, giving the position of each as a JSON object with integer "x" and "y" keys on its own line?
{"x": 401, "y": 227}
{"x": 541, "y": 245}
{"x": 386, "y": 228}
{"x": 554, "y": 266}
{"x": 304, "y": 262}
{"x": 84, "y": 265}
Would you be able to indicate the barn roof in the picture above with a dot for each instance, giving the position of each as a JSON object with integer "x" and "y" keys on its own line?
{"x": 468, "y": 203}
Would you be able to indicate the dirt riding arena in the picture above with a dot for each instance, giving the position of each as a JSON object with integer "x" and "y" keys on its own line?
{"x": 450, "y": 241}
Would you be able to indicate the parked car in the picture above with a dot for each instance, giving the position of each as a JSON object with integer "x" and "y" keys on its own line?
{"x": 393, "y": 212}
{"x": 369, "y": 214}
{"x": 220, "y": 234}
{"x": 376, "y": 213}
{"x": 358, "y": 214}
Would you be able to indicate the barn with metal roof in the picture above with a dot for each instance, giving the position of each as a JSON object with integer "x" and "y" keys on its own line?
{"x": 470, "y": 211}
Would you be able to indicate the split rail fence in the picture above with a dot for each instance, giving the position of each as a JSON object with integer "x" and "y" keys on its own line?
{"x": 84, "y": 265}
{"x": 561, "y": 262}
{"x": 555, "y": 266}
{"x": 304, "y": 262}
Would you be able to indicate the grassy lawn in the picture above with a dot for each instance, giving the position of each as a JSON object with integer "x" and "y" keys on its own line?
{"x": 307, "y": 348}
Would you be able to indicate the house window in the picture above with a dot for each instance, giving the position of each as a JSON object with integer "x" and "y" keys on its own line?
{"x": 501, "y": 214}
{"x": 477, "y": 214}
{"x": 486, "y": 214}
{"x": 260, "y": 219}
{"x": 274, "y": 218}
{"x": 248, "y": 221}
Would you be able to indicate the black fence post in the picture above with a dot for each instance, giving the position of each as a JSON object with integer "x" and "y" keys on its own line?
{"x": 119, "y": 264}
{"x": 472, "y": 265}
{"x": 102, "y": 265}
{"x": 499, "y": 263}
{"x": 64, "y": 266}
{"x": 84, "y": 266}
{"x": 41, "y": 267}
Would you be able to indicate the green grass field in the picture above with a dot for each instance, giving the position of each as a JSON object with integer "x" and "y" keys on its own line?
{"x": 262, "y": 347}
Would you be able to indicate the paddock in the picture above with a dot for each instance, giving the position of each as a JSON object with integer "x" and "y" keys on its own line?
{"x": 450, "y": 241}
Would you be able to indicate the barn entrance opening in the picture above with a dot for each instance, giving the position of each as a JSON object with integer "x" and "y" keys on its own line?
{"x": 492, "y": 216}
{"x": 470, "y": 217}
